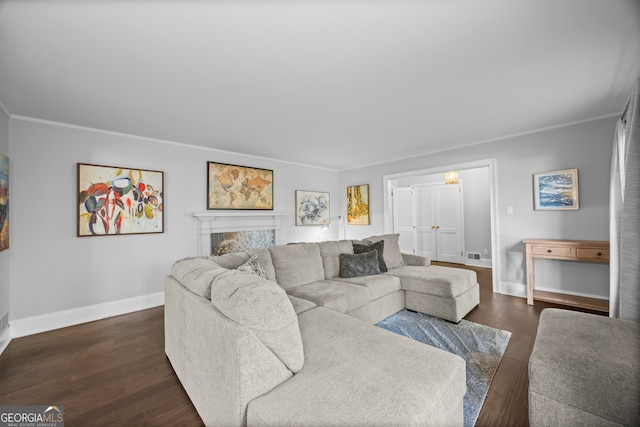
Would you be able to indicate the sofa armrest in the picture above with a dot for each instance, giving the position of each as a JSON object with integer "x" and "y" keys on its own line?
{"x": 221, "y": 364}
{"x": 411, "y": 259}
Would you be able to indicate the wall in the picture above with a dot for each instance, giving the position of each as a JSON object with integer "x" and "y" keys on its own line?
{"x": 52, "y": 270}
{"x": 4, "y": 255}
{"x": 586, "y": 146}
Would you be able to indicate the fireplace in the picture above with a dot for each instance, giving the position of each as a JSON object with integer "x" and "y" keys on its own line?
{"x": 224, "y": 232}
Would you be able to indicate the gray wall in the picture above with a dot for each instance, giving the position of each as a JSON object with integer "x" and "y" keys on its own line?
{"x": 53, "y": 270}
{"x": 4, "y": 255}
{"x": 586, "y": 146}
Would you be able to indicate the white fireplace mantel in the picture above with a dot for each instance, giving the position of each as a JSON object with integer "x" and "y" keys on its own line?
{"x": 219, "y": 222}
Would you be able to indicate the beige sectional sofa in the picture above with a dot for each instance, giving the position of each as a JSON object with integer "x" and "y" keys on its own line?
{"x": 297, "y": 346}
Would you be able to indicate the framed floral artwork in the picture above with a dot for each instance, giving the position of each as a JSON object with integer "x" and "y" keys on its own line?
{"x": 556, "y": 190}
{"x": 312, "y": 208}
{"x": 115, "y": 200}
{"x": 239, "y": 187}
{"x": 358, "y": 205}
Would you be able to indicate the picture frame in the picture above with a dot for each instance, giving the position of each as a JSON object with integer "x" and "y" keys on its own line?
{"x": 312, "y": 208}
{"x": 115, "y": 200}
{"x": 4, "y": 202}
{"x": 358, "y": 205}
{"x": 239, "y": 187}
{"x": 556, "y": 190}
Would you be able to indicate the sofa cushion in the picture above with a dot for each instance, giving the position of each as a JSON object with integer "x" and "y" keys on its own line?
{"x": 197, "y": 274}
{"x": 263, "y": 307}
{"x": 253, "y": 266}
{"x": 231, "y": 260}
{"x": 359, "y": 248}
{"x": 392, "y": 254}
{"x": 297, "y": 264}
{"x": 264, "y": 256}
{"x": 330, "y": 251}
{"x": 356, "y": 265}
{"x": 445, "y": 282}
{"x": 379, "y": 285}
{"x": 358, "y": 374}
{"x": 301, "y": 305}
{"x": 338, "y": 296}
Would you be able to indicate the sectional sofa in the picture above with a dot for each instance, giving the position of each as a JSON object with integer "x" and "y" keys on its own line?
{"x": 285, "y": 335}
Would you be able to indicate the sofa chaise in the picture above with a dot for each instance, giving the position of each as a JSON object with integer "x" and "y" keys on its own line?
{"x": 284, "y": 335}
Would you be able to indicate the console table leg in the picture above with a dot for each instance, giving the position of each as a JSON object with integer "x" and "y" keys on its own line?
{"x": 530, "y": 275}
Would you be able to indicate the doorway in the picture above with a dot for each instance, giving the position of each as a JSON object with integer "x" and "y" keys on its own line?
{"x": 391, "y": 181}
{"x": 429, "y": 220}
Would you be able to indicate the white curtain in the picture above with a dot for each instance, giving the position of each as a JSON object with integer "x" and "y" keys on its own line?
{"x": 624, "y": 213}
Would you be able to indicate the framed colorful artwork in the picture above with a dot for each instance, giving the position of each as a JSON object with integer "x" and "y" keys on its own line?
{"x": 312, "y": 208}
{"x": 358, "y": 204}
{"x": 4, "y": 202}
{"x": 115, "y": 200}
{"x": 556, "y": 190}
{"x": 239, "y": 187}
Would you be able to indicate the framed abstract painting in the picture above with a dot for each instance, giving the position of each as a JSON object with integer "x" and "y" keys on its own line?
{"x": 115, "y": 200}
{"x": 556, "y": 190}
{"x": 4, "y": 202}
{"x": 358, "y": 205}
{"x": 312, "y": 208}
{"x": 239, "y": 187}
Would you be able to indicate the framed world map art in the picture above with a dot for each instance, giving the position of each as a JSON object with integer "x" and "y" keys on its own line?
{"x": 239, "y": 187}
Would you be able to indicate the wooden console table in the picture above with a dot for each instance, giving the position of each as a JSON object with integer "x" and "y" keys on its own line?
{"x": 568, "y": 250}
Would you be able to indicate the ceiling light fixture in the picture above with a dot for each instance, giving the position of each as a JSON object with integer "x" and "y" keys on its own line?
{"x": 451, "y": 177}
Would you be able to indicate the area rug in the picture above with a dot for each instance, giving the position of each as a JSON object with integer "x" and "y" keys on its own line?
{"x": 480, "y": 346}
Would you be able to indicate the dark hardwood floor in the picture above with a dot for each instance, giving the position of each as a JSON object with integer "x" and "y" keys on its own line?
{"x": 114, "y": 371}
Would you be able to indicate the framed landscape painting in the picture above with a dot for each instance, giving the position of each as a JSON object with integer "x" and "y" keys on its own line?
{"x": 114, "y": 200}
{"x": 556, "y": 190}
{"x": 239, "y": 187}
{"x": 358, "y": 204}
{"x": 312, "y": 208}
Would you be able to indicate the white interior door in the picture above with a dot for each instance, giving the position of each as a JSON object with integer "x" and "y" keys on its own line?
{"x": 403, "y": 218}
{"x": 424, "y": 214}
{"x": 448, "y": 221}
{"x": 428, "y": 219}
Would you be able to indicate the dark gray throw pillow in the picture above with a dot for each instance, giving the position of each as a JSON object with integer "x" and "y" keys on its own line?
{"x": 359, "y": 248}
{"x": 356, "y": 265}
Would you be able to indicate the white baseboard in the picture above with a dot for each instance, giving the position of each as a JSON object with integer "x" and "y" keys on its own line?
{"x": 578, "y": 294}
{"x": 5, "y": 339}
{"x": 75, "y": 316}
{"x": 520, "y": 290}
{"x": 484, "y": 262}
{"x": 513, "y": 289}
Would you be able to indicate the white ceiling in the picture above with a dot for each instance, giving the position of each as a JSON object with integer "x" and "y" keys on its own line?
{"x": 331, "y": 83}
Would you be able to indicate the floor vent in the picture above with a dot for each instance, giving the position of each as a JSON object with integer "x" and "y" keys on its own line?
{"x": 473, "y": 255}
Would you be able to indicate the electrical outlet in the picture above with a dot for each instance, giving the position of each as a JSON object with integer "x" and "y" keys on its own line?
{"x": 509, "y": 210}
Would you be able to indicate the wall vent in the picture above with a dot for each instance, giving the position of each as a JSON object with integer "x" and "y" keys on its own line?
{"x": 473, "y": 255}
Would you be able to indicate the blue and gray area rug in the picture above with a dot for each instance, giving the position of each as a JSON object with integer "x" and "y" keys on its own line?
{"x": 480, "y": 346}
